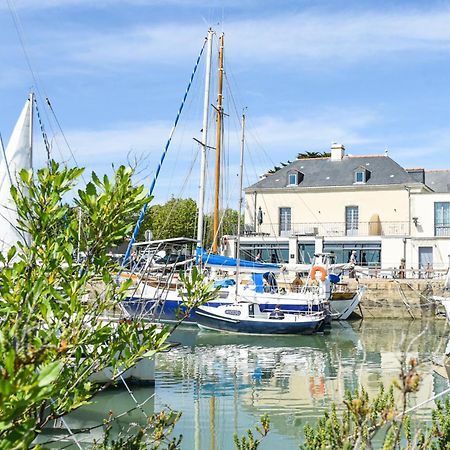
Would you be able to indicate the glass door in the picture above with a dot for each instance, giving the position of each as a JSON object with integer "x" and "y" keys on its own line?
{"x": 351, "y": 220}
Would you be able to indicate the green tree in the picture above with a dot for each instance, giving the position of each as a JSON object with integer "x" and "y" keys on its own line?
{"x": 176, "y": 218}
{"x": 228, "y": 222}
{"x": 313, "y": 155}
{"x": 51, "y": 336}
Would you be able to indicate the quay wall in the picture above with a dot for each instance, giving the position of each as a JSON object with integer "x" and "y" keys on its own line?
{"x": 397, "y": 298}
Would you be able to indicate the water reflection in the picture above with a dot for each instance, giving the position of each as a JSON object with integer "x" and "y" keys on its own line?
{"x": 224, "y": 383}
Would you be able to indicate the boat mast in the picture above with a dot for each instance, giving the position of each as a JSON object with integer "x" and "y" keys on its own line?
{"x": 204, "y": 143}
{"x": 241, "y": 200}
{"x": 219, "y": 112}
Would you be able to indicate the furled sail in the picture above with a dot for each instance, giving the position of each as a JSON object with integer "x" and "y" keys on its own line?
{"x": 17, "y": 156}
{"x": 226, "y": 262}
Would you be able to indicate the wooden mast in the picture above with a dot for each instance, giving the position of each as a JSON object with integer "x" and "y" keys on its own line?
{"x": 219, "y": 111}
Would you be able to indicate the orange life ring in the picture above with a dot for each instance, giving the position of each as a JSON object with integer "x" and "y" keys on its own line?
{"x": 320, "y": 269}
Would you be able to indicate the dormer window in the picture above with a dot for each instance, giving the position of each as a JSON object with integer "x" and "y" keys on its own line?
{"x": 294, "y": 178}
{"x": 361, "y": 175}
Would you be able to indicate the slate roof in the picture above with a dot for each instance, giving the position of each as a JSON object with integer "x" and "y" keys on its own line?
{"x": 438, "y": 180}
{"x": 323, "y": 172}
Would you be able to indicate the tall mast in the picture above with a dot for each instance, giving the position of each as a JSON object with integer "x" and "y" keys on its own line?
{"x": 241, "y": 199}
{"x": 218, "y": 149}
{"x": 204, "y": 144}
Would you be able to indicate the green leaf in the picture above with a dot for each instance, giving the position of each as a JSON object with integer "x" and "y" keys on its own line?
{"x": 11, "y": 252}
{"x": 49, "y": 373}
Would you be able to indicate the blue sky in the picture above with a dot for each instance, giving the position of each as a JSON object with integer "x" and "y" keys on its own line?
{"x": 372, "y": 75}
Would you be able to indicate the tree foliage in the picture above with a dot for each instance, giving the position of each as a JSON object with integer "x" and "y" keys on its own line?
{"x": 313, "y": 155}
{"x": 52, "y": 336}
{"x": 176, "y": 218}
{"x": 228, "y": 222}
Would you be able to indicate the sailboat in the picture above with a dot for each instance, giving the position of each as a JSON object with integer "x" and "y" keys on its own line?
{"x": 247, "y": 317}
{"x": 18, "y": 155}
{"x": 157, "y": 296}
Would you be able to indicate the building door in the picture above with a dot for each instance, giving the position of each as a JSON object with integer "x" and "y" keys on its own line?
{"x": 425, "y": 261}
{"x": 285, "y": 221}
{"x": 351, "y": 220}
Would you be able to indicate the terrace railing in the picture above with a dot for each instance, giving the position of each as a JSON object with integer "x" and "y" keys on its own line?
{"x": 333, "y": 229}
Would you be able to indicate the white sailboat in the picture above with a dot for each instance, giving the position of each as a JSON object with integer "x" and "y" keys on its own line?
{"x": 18, "y": 155}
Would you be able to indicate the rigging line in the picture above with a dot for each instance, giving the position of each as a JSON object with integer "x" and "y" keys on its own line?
{"x": 50, "y": 106}
{"x": 21, "y": 37}
{"x": 41, "y": 125}
{"x": 34, "y": 75}
{"x": 163, "y": 156}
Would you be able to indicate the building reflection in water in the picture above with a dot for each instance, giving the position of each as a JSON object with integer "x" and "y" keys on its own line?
{"x": 224, "y": 383}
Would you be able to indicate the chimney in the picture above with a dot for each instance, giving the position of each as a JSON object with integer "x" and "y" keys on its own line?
{"x": 337, "y": 151}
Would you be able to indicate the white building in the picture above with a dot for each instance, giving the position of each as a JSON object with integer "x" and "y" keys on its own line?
{"x": 342, "y": 203}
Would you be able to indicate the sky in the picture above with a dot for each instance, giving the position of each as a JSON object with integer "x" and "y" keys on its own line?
{"x": 372, "y": 75}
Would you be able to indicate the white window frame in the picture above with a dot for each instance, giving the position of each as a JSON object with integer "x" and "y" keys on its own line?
{"x": 363, "y": 173}
{"x": 295, "y": 175}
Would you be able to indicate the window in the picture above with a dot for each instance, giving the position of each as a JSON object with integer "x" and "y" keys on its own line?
{"x": 265, "y": 252}
{"x": 292, "y": 179}
{"x": 351, "y": 220}
{"x": 442, "y": 219}
{"x": 368, "y": 254}
{"x": 306, "y": 252}
{"x": 285, "y": 221}
{"x": 360, "y": 176}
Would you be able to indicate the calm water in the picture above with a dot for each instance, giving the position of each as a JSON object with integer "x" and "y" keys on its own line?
{"x": 224, "y": 383}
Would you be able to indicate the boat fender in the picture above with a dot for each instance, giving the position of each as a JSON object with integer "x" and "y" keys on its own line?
{"x": 322, "y": 271}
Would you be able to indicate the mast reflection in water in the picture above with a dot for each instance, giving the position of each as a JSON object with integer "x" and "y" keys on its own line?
{"x": 224, "y": 383}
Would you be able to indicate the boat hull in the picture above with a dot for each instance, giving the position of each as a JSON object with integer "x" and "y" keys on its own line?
{"x": 210, "y": 321}
{"x": 173, "y": 310}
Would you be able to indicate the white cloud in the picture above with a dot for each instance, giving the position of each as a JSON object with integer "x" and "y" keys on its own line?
{"x": 49, "y": 4}
{"x": 306, "y": 38}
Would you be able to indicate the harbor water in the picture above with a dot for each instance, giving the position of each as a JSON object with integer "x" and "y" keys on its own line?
{"x": 224, "y": 383}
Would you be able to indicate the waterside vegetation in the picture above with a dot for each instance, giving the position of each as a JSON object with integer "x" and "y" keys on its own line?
{"x": 53, "y": 335}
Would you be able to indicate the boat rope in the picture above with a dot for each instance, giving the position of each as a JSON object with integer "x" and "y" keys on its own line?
{"x": 62, "y": 133}
{"x": 419, "y": 405}
{"x": 130, "y": 392}
{"x": 104, "y": 423}
{"x": 41, "y": 126}
{"x": 403, "y": 298}
{"x": 163, "y": 156}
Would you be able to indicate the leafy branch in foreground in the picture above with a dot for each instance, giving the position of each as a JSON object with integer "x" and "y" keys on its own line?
{"x": 248, "y": 441}
{"x": 363, "y": 420}
{"x": 152, "y": 436}
{"x": 53, "y": 336}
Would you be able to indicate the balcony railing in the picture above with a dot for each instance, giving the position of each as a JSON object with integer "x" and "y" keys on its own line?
{"x": 333, "y": 229}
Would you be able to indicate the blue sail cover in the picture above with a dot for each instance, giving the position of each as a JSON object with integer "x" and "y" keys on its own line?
{"x": 210, "y": 259}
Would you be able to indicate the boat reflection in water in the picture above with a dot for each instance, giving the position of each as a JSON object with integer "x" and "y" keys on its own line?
{"x": 224, "y": 383}
{"x": 86, "y": 423}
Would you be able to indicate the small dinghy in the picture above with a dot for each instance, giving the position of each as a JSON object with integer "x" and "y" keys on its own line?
{"x": 246, "y": 318}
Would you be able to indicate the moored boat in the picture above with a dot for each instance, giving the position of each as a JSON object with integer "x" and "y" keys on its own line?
{"x": 246, "y": 318}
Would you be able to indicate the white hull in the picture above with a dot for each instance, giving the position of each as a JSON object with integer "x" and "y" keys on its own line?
{"x": 342, "y": 309}
{"x": 143, "y": 372}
